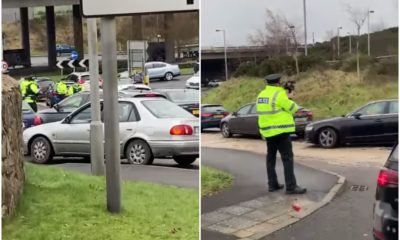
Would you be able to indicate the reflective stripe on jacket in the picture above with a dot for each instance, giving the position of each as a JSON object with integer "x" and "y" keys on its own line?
{"x": 275, "y": 112}
{"x": 29, "y": 90}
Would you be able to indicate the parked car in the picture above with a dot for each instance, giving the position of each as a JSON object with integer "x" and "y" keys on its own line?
{"x": 162, "y": 70}
{"x": 52, "y": 96}
{"x": 29, "y": 117}
{"x": 71, "y": 103}
{"x": 211, "y": 115}
{"x": 194, "y": 81}
{"x": 214, "y": 83}
{"x": 149, "y": 128}
{"x": 45, "y": 84}
{"x": 188, "y": 99}
{"x": 82, "y": 78}
{"x": 245, "y": 121}
{"x": 64, "y": 48}
{"x": 133, "y": 87}
{"x": 386, "y": 205}
{"x": 375, "y": 122}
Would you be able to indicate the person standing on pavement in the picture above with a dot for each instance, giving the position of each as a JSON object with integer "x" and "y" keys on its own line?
{"x": 276, "y": 123}
{"x": 30, "y": 90}
{"x": 75, "y": 88}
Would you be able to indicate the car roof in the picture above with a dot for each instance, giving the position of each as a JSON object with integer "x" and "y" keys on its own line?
{"x": 175, "y": 90}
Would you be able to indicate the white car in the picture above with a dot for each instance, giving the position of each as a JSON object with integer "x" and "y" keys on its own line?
{"x": 194, "y": 81}
{"x": 149, "y": 128}
{"x": 162, "y": 70}
{"x": 83, "y": 78}
{"x": 133, "y": 87}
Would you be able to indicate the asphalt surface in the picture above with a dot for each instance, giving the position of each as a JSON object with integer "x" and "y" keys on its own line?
{"x": 348, "y": 216}
{"x": 163, "y": 171}
{"x": 250, "y": 180}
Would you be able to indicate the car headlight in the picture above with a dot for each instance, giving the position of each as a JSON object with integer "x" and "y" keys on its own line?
{"x": 309, "y": 128}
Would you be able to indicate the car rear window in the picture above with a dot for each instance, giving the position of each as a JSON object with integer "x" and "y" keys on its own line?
{"x": 165, "y": 109}
{"x": 184, "y": 96}
{"x": 393, "y": 161}
{"x": 213, "y": 108}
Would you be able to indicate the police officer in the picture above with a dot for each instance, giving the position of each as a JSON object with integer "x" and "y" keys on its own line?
{"x": 62, "y": 90}
{"x": 276, "y": 123}
{"x": 30, "y": 90}
{"x": 75, "y": 88}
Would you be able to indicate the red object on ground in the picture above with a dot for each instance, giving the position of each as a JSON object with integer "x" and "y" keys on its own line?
{"x": 296, "y": 207}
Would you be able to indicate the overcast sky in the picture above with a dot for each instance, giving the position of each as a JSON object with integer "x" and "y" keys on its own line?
{"x": 242, "y": 17}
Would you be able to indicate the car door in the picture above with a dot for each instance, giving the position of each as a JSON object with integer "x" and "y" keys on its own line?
{"x": 151, "y": 71}
{"x": 391, "y": 121}
{"x": 128, "y": 120}
{"x": 238, "y": 121}
{"x": 73, "y": 136}
{"x": 252, "y": 121}
{"x": 160, "y": 69}
{"x": 368, "y": 127}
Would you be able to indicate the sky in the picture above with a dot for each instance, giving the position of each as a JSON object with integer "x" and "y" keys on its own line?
{"x": 240, "y": 18}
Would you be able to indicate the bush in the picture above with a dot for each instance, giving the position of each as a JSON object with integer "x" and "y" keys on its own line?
{"x": 350, "y": 64}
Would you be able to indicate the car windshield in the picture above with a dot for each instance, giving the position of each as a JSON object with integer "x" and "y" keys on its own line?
{"x": 214, "y": 108}
{"x": 26, "y": 107}
{"x": 183, "y": 96}
{"x": 165, "y": 109}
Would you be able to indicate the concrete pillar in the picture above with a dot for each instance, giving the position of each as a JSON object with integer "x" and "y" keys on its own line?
{"x": 51, "y": 36}
{"x": 25, "y": 33}
{"x": 169, "y": 38}
{"x": 78, "y": 30}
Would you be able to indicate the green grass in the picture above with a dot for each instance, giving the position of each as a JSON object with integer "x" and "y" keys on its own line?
{"x": 327, "y": 93}
{"x": 213, "y": 181}
{"x": 58, "y": 204}
{"x": 187, "y": 71}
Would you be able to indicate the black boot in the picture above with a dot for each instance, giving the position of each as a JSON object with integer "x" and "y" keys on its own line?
{"x": 296, "y": 190}
{"x": 276, "y": 187}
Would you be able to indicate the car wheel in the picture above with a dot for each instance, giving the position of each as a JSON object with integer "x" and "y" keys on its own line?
{"x": 327, "y": 138}
{"x": 41, "y": 150}
{"x": 184, "y": 160}
{"x": 139, "y": 153}
{"x": 226, "y": 132}
{"x": 168, "y": 76}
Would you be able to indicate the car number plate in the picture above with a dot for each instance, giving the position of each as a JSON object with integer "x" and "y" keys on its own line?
{"x": 218, "y": 116}
{"x": 301, "y": 119}
{"x": 195, "y": 112}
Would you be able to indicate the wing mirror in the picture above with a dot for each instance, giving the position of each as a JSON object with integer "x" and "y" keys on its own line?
{"x": 357, "y": 115}
{"x": 56, "y": 107}
{"x": 67, "y": 119}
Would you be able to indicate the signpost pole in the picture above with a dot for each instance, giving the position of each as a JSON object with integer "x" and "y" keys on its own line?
{"x": 111, "y": 119}
{"x": 96, "y": 126}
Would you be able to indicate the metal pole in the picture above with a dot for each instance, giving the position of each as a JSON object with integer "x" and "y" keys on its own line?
{"x": 96, "y": 126}
{"x": 338, "y": 41}
{"x": 313, "y": 39}
{"x": 111, "y": 121}
{"x": 305, "y": 27}
{"x": 369, "y": 49}
{"x": 349, "y": 43}
{"x": 226, "y": 60}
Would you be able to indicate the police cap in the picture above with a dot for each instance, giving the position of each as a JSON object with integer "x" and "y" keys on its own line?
{"x": 273, "y": 78}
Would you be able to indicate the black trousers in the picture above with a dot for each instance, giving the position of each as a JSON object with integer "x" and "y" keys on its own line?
{"x": 283, "y": 144}
{"x": 33, "y": 106}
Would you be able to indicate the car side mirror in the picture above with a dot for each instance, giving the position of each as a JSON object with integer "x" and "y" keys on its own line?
{"x": 357, "y": 115}
{"x": 56, "y": 107}
{"x": 67, "y": 120}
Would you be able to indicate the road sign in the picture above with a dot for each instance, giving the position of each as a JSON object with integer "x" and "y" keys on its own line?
{"x": 82, "y": 63}
{"x": 4, "y": 67}
{"x": 59, "y": 64}
{"x": 74, "y": 55}
{"x": 71, "y": 64}
{"x": 96, "y": 8}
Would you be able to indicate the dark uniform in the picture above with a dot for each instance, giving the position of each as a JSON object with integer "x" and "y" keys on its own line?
{"x": 276, "y": 123}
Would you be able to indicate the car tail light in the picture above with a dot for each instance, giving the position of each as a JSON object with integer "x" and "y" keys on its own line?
{"x": 81, "y": 81}
{"x": 379, "y": 235}
{"x": 310, "y": 116}
{"x": 181, "y": 130}
{"x": 387, "y": 177}
{"x": 37, "y": 120}
{"x": 206, "y": 114}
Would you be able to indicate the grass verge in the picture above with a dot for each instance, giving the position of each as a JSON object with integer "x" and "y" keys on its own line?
{"x": 58, "y": 204}
{"x": 187, "y": 71}
{"x": 213, "y": 181}
{"x": 327, "y": 93}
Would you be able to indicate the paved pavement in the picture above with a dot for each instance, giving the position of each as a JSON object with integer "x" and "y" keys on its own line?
{"x": 248, "y": 202}
{"x": 348, "y": 216}
{"x": 163, "y": 171}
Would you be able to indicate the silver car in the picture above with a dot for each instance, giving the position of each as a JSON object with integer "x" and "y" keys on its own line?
{"x": 162, "y": 70}
{"x": 149, "y": 128}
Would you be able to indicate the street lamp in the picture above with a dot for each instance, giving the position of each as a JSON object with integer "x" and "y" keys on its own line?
{"x": 338, "y": 41}
{"x": 369, "y": 49}
{"x": 305, "y": 28}
{"x": 158, "y": 38}
{"x": 226, "y": 60}
{"x": 349, "y": 42}
{"x": 293, "y": 31}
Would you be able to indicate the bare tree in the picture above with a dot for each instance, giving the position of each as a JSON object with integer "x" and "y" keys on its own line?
{"x": 358, "y": 17}
{"x": 330, "y": 36}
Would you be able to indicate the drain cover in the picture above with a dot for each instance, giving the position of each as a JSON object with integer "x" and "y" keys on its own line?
{"x": 359, "y": 188}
